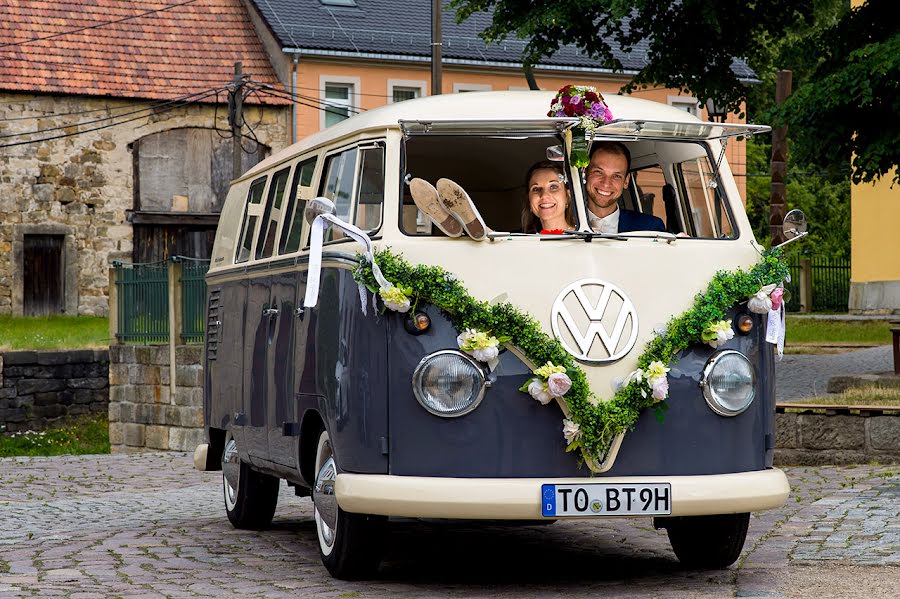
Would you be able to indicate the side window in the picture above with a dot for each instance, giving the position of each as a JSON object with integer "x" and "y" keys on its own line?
{"x": 300, "y": 192}
{"x": 340, "y": 171}
{"x": 654, "y": 196}
{"x": 252, "y": 214}
{"x": 371, "y": 188}
{"x": 272, "y": 215}
{"x": 706, "y": 206}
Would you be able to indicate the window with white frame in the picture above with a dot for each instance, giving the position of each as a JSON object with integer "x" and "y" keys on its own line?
{"x": 471, "y": 87}
{"x": 339, "y": 99}
{"x": 405, "y": 89}
{"x": 685, "y": 103}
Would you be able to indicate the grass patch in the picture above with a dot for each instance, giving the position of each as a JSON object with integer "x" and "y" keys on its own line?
{"x": 88, "y": 434}
{"x": 868, "y": 395}
{"x": 821, "y": 331}
{"x": 53, "y": 332}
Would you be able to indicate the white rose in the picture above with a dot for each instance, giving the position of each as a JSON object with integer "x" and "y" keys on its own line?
{"x": 723, "y": 336}
{"x": 485, "y": 354}
{"x": 660, "y": 388}
{"x": 571, "y": 430}
{"x": 558, "y": 383}
{"x": 538, "y": 390}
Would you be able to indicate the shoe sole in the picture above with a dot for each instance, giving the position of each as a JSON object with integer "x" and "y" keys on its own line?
{"x": 426, "y": 198}
{"x": 458, "y": 202}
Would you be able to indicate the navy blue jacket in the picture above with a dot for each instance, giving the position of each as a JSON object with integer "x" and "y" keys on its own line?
{"x": 630, "y": 220}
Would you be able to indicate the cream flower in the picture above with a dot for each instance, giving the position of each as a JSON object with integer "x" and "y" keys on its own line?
{"x": 718, "y": 333}
{"x": 558, "y": 383}
{"x": 479, "y": 345}
{"x": 394, "y": 299}
{"x": 485, "y": 354}
{"x": 571, "y": 430}
{"x": 539, "y": 391}
{"x": 655, "y": 370}
{"x": 547, "y": 369}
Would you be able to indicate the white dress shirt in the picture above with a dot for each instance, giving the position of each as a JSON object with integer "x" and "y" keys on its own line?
{"x": 608, "y": 224}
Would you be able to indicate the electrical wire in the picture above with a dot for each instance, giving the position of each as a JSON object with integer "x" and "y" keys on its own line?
{"x": 181, "y": 99}
{"x": 305, "y": 100}
{"x": 327, "y": 108}
{"x": 107, "y": 126}
{"x": 98, "y": 25}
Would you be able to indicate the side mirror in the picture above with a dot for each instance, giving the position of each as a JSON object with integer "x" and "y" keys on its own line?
{"x": 318, "y": 206}
{"x": 794, "y": 224}
{"x": 793, "y": 227}
{"x": 555, "y": 153}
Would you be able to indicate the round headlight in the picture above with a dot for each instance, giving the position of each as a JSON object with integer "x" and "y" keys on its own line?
{"x": 729, "y": 383}
{"x": 448, "y": 383}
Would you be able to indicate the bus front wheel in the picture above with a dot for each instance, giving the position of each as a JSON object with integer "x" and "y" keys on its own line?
{"x": 351, "y": 545}
{"x": 707, "y": 542}
{"x": 250, "y": 496}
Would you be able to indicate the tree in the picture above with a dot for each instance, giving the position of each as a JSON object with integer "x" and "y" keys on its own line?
{"x": 844, "y": 101}
{"x": 690, "y": 45}
{"x": 847, "y": 108}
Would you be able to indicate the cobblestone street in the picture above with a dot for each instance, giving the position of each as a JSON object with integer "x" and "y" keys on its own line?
{"x": 148, "y": 525}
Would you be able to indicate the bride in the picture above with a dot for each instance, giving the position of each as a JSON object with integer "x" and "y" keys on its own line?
{"x": 548, "y": 203}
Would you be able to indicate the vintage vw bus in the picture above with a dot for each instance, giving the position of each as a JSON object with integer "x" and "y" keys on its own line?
{"x": 375, "y": 413}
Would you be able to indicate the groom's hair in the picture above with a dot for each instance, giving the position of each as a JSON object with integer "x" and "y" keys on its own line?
{"x": 613, "y": 147}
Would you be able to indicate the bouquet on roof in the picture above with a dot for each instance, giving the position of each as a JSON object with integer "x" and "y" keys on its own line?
{"x": 585, "y": 103}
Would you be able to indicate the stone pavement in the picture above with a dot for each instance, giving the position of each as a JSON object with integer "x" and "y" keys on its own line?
{"x": 803, "y": 375}
{"x": 148, "y": 525}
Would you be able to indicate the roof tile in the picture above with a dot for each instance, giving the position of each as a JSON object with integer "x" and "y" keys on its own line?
{"x": 182, "y": 47}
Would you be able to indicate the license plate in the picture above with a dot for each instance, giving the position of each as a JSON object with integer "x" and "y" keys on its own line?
{"x": 605, "y": 499}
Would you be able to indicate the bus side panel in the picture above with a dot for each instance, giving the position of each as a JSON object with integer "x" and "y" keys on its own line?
{"x": 224, "y": 379}
{"x": 342, "y": 367}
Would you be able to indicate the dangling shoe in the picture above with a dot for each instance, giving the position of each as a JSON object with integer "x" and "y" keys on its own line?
{"x": 460, "y": 205}
{"x": 426, "y": 198}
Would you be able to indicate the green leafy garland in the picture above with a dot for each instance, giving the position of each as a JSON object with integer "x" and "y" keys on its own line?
{"x": 599, "y": 421}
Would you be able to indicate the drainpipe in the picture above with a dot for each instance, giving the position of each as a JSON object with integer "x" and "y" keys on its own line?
{"x": 294, "y": 104}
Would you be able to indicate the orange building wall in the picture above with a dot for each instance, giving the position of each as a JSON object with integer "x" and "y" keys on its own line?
{"x": 373, "y": 91}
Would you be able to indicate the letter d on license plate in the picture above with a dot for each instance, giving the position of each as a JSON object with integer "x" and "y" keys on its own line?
{"x": 602, "y": 499}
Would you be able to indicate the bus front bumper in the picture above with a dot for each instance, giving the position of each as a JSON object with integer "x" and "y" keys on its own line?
{"x": 520, "y": 498}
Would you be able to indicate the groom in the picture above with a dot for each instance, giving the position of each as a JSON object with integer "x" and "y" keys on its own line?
{"x": 606, "y": 177}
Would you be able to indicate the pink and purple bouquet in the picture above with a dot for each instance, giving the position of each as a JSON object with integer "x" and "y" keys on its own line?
{"x": 584, "y": 102}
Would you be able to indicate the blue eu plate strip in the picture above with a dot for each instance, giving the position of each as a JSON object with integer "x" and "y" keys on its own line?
{"x": 548, "y": 500}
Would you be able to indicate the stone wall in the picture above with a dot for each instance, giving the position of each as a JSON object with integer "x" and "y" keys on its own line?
{"x": 143, "y": 412}
{"x": 81, "y": 187}
{"x": 40, "y": 387}
{"x": 814, "y": 439}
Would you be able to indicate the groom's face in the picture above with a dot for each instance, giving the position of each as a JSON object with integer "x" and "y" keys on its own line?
{"x": 607, "y": 176}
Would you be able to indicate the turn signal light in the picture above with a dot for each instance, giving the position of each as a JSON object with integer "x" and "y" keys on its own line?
{"x": 417, "y": 323}
{"x": 744, "y": 324}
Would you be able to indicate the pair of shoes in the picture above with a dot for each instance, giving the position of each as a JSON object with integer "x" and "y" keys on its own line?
{"x": 449, "y": 207}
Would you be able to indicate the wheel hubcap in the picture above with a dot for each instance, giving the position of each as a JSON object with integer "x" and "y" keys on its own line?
{"x": 231, "y": 473}
{"x": 324, "y": 501}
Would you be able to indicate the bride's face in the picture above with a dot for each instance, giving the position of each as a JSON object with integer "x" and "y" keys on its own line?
{"x": 547, "y": 196}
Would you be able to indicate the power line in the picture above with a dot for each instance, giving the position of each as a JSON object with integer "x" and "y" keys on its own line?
{"x": 299, "y": 99}
{"x": 154, "y": 107}
{"x": 107, "y": 126}
{"x": 98, "y": 25}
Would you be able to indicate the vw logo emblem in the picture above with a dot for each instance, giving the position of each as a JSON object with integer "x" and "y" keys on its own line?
{"x": 591, "y": 310}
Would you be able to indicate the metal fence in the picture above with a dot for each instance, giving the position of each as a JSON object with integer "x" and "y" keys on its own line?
{"x": 824, "y": 280}
{"x": 143, "y": 298}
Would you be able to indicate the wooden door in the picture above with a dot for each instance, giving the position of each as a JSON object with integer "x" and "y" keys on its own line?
{"x": 43, "y": 281}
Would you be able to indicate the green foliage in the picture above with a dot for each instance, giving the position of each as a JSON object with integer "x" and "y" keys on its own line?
{"x": 82, "y": 435}
{"x": 53, "y": 332}
{"x": 847, "y": 106}
{"x": 825, "y": 202}
{"x": 689, "y": 45}
{"x": 820, "y": 330}
{"x": 599, "y": 421}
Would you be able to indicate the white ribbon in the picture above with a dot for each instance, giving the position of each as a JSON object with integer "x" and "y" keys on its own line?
{"x": 775, "y": 328}
{"x": 316, "y": 240}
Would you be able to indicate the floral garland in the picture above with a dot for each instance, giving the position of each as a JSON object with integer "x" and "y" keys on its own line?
{"x": 592, "y": 424}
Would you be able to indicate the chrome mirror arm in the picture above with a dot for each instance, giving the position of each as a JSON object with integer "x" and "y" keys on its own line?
{"x": 799, "y": 235}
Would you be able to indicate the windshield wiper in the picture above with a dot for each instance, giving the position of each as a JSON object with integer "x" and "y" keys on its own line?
{"x": 587, "y": 236}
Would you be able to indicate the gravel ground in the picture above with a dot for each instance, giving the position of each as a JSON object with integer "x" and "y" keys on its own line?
{"x": 801, "y": 375}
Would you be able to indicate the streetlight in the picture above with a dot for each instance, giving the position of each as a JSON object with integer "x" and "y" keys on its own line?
{"x": 717, "y": 112}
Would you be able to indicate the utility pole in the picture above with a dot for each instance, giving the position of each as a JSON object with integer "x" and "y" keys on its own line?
{"x": 436, "y": 43}
{"x": 236, "y": 119}
{"x": 779, "y": 163}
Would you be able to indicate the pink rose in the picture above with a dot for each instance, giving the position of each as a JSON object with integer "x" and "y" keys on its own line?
{"x": 558, "y": 383}
{"x": 660, "y": 388}
{"x": 776, "y": 296}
